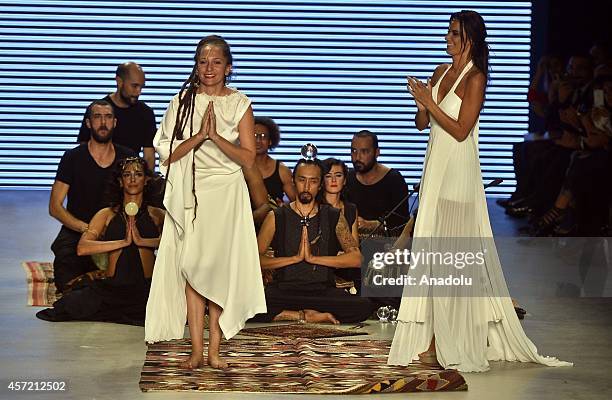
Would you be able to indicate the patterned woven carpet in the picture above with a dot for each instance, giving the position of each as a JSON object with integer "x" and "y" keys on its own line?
{"x": 294, "y": 366}
{"x": 39, "y": 278}
{"x": 294, "y": 331}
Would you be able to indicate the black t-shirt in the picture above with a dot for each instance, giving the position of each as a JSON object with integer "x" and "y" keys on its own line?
{"x": 87, "y": 180}
{"x": 135, "y": 126}
{"x": 375, "y": 201}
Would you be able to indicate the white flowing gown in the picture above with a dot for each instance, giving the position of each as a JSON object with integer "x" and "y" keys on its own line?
{"x": 213, "y": 247}
{"x": 473, "y": 324}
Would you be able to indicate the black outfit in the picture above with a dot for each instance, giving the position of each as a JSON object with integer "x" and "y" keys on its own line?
{"x": 135, "y": 126}
{"x": 349, "y": 274}
{"x": 122, "y": 298}
{"x": 305, "y": 286}
{"x": 586, "y": 177}
{"x": 273, "y": 183}
{"x": 375, "y": 201}
{"x": 350, "y": 213}
{"x": 87, "y": 181}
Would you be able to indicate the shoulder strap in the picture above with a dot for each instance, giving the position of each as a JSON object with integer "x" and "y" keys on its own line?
{"x": 443, "y": 75}
{"x": 467, "y": 67}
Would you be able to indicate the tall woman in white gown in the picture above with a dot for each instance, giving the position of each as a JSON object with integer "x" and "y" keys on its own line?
{"x": 208, "y": 251}
{"x": 463, "y": 327}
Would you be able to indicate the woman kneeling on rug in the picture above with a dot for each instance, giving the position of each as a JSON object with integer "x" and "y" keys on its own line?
{"x": 129, "y": 231}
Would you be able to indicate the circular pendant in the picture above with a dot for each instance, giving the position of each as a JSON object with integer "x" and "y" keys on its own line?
{"x": 131, "y": 208}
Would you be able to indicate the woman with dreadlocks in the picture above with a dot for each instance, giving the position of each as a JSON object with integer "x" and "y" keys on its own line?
{"x": 208, "y": 252}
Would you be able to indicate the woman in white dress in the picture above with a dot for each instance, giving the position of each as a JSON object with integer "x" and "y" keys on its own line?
{"x": 208, "y": 252}
{"x": 460, "y": 327}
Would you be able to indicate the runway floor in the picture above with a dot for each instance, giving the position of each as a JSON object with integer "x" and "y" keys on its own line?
{"x": 103, "y": 361}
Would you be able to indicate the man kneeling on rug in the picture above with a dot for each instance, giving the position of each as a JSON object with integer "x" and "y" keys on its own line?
{"x": 306, "y": 237}
{"x": 129, "y": 231}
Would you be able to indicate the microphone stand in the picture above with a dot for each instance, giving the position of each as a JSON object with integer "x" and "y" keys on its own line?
{"x": 383, "y": 220}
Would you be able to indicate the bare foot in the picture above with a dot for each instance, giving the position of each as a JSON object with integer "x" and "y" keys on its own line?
{"x": 429, "y": 358}
{"x": 193, "y": 362}
{"x": 217, "y": 362}
{"x": 319, "y": 317}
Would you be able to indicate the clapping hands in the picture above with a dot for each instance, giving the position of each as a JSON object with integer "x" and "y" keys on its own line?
{"x": 421, "y": 92}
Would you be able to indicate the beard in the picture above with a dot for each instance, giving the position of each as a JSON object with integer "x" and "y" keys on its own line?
{"x": 363, "y": 168}
{"x": 305, "y": 197}
{"x": 100, "y": 138}
{"x": 131, "y": 100}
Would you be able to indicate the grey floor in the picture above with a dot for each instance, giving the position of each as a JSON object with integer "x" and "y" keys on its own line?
{"x": 103, "y": 361}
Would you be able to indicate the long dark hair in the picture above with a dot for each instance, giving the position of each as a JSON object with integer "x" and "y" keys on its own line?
{"x": 472, "y": 28}
{"x": 114, "y": 191}
{"x": 329, "y": 163}
{"x": 187, "y": 102}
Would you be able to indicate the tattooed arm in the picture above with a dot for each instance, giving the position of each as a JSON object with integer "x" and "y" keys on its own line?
{"x": 351, "y": 257}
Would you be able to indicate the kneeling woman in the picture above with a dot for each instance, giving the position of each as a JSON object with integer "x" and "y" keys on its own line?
{"x": 129, "y": 235}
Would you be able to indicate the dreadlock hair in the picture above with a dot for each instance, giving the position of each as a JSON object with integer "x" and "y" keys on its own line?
{"x": 114, "y": 191}
{"x": 187, "y": 96}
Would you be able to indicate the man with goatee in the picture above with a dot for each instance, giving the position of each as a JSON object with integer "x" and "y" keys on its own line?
{"x": 81, "y": 177}
{"x": 306, "y": 237}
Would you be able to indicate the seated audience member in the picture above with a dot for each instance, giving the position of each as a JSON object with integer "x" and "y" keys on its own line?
{"x": 120, "y": 293}
{"x": 549, "y": 68}
{"x": 544, "y": 162}
{"x": 276, "y": 176}
{"x": 306, "y": 236}
{"x": 583, "y": 203}
{"x": 375, "y": 188}
{"x": 81, "y": 177}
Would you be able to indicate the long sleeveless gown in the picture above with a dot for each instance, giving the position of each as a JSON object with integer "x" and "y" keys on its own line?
{"x": 213, "y": 246}
{"x": 471, "y": 324}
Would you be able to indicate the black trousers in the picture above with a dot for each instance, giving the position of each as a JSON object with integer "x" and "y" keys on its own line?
{"x": 587, "y": 179}
{"x": 345, "y": 307}
{"x": 548, "y": 164}
{"x": 67, "y": 265}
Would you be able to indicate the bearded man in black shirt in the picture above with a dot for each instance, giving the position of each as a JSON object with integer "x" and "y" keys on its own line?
{"x": 135, "y": 120}
{"x": 81, "y": 177}
{"x": 375, "y": 188}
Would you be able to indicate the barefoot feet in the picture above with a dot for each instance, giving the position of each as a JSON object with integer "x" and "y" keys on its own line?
{"x": 193, "y": 362}
{"x": 217, "y": 362}
{"x": 429, "y": 358}
{"x": 314, "y": 316}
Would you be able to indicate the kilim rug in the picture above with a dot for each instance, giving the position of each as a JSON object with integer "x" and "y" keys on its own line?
{"x": 293, "y": 366}
{"x": 294, "y": 331}
{"x": 39, "y": 278}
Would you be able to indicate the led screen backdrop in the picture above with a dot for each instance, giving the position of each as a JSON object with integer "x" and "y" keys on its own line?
{"x": 322, "y": 69}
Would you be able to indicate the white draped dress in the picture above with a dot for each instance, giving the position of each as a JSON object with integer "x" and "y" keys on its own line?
{"x": 213, "y": 247}
{"x": 474, "y": 324}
